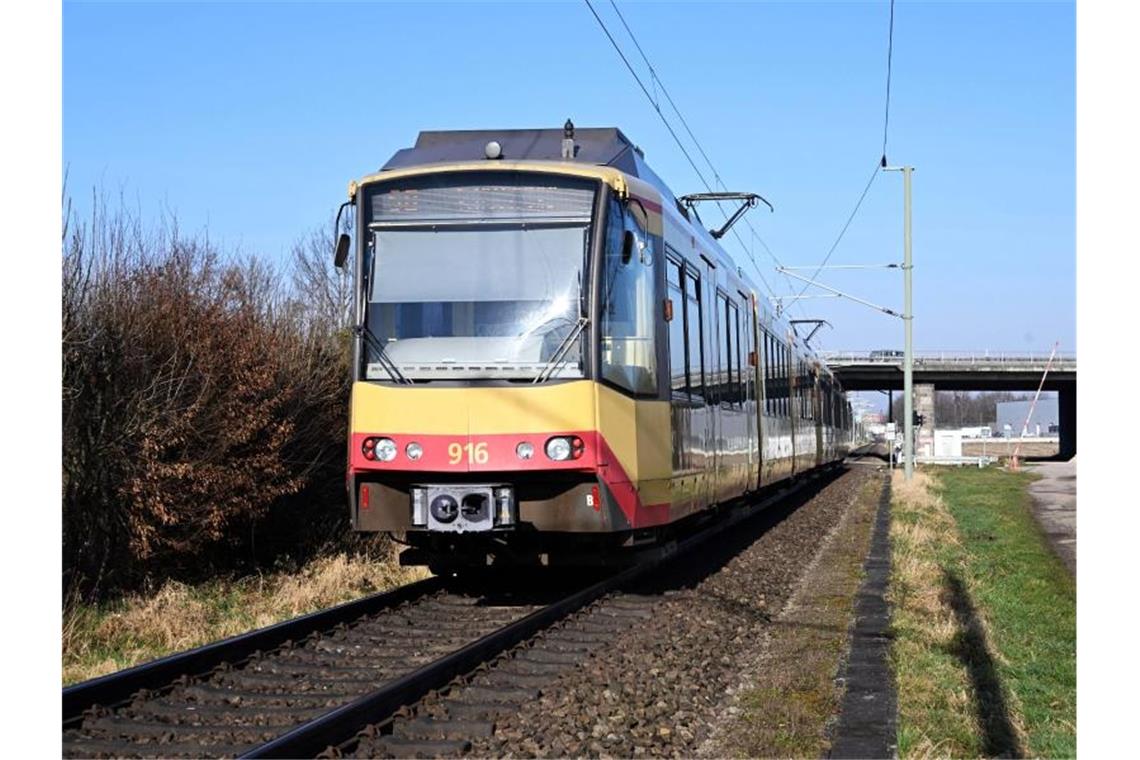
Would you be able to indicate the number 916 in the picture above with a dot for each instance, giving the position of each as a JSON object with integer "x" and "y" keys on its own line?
{"x": 476, "y": 453}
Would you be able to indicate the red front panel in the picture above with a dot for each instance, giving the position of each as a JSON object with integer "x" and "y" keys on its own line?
{"x": 474, "y": 453}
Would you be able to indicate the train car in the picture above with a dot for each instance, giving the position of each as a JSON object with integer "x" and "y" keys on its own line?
{"x": 555, "y": 361}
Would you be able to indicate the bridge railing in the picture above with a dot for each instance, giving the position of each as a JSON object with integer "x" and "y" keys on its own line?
{"x": 962, "y": 358}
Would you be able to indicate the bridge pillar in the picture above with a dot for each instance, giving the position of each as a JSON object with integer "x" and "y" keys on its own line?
{"x": 924, "y": 405}
{"x": 1067, "y": 411}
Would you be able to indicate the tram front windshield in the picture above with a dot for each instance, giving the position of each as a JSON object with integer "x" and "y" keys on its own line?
{"x": 477, "y": 276}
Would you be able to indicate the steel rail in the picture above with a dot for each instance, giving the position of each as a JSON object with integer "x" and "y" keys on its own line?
{"x": 117, "y": 687}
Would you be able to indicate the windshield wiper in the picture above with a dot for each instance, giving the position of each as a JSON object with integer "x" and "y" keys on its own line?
{"x": 557, "y": 359}
{"x": 382, "y": 357}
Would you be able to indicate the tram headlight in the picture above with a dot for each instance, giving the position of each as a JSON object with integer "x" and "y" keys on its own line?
{"x": 385, "y": 449}
{"x": 414, "y": 451}
{"x": 525, "y": 450}
{"x": 558, "y": 449}
{"x": 562, "y": 448}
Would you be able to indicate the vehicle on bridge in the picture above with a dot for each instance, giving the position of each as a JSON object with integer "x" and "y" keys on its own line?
{"x": 555, "y": 361}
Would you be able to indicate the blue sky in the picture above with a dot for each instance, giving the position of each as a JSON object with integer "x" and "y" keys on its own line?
{"x": 249, "y": 119}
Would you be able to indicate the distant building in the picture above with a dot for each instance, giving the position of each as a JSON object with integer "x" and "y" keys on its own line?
{"x": 1045, "y": 421}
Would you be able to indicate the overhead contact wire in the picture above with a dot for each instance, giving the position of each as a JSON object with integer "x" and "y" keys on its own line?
{"x": 716, "y": 175}
{"x": 657, "y": 107}
{"x": 879, "y": 164}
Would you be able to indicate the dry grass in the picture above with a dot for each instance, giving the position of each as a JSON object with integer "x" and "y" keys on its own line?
{"x": 997, "y": 447}
{"x": 101, "y": 639}
{"x": 786, "y": 709}
{"x": 923, "y": 624}
{"x": 936, "y": 658}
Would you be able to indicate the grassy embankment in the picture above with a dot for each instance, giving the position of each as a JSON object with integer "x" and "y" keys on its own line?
{"x": 984, "y": 619}
{"x": 102, "y": 638}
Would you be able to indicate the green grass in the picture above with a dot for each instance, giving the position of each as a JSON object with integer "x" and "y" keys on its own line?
{"x": 1026, "y": 595}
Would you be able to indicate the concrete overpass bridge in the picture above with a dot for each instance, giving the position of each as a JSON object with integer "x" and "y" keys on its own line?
{"x": 963, "y": 371}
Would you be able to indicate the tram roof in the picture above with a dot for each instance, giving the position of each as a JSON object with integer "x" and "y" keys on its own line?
{"x": 603, "y": 146}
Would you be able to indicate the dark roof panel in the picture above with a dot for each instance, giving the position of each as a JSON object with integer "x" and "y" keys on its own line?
{"x": 603, "y": 146}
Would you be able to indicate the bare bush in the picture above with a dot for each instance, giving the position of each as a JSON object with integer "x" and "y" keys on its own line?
{"x": 204, "y": 405}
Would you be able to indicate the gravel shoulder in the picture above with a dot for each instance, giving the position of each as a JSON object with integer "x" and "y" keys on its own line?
{"x": 1055, "y": 507}
{"x": 672, "y": 684}
{"x": 788, "y": 700}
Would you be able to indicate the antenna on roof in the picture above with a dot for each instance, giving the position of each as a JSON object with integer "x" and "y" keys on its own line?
{"x": 568, "y": 141}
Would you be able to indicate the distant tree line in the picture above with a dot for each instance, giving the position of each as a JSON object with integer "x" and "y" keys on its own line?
{"x": 204, "y": 403}
{"x": 955, "y": 409}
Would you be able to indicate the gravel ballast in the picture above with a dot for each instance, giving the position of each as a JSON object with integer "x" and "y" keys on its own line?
{"x": 660, "y": 686}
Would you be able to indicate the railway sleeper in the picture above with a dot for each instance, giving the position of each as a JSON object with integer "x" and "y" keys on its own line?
{"x": 435, "y": 728}
{"x": 425, "y": 629}
{"x": 606, "y": 627}
{"x": 279, "y": 687}
{"x": 573, "y": 635}
{"x": 373, "y": 657}
{"x": 461, "y": 710}
{"x": 128, "y": 728}
{"x": 498, "y": 694}
{"x": 556, "y": 645}
{"x": 640, "y": 612}
{"x": 217, "y": 696}
{"x": 89, "y": 747}
{"x": 543, "y": 657}
{"x": 225, "y": 715}
{"x": 320, "y": 669}
{"x": 498, "y": 678}
{"x": 395, "y": 747}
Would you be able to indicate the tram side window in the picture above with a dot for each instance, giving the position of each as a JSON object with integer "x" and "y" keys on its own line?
{"x": 778, "y": 376}
{"x": 797, "y": 409}
{"x": 786, "y": 380}
{"x": 739, "y": 383}
{"x": 678, "y": 373}
{"x": 775, "y": 375}
{"x": 805, "y": 394}
{"x": 778, "y": 380}
{"x": 728, "y": 377}
{"x": 685, "y": 330}
{"x": 827, "y": 405}
{"x": 694, "y": 322}
{"x": 804, "y": 391}
{"x": 718, "y": 390}
{"x": 766, "y": 344}
{"x": 627, "y": 306}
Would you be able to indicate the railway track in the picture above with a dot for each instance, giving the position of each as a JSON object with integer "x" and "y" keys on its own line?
{"x": 418, "y": 671}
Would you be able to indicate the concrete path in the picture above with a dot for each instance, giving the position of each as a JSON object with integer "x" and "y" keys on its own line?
{"x": 1055, "y": 506}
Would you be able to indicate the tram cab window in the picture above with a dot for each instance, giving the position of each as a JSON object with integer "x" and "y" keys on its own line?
{"x": 476, "y": 276}
{"x": 627, "y": 303}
